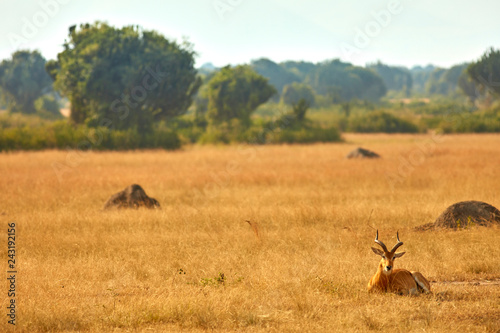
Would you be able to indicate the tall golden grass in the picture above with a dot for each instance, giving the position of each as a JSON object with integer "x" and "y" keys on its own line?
{"x": 273, "y": 238}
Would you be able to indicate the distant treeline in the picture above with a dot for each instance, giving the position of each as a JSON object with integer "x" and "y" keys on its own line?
{"x": 337, "y": 82}
{"x": 129, "y": 88}
{"x": 20, "y": 132}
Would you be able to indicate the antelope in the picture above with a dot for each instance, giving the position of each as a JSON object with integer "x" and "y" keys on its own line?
{"x": 400, "y": 281}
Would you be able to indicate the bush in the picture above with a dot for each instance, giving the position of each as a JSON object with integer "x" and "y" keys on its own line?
{"x": 233, "y": 131}
{"x": 191, "y": 134}
{"x": 294, "y": 92}
{"x": 215, "y": 135}
{"x": 436, "y": 108}
{"x": 189, "y": 129}
{"x": 162, "y": 138}
{"x": 487, "y": 121}
{"x": 47, "y": 107}
{"x": 305, "y": 135}
{"x": 286, "y": 129}
{"x": 380, "y": 122}
{"x": 32, "y": 133}
{"x": 26, "y": 138}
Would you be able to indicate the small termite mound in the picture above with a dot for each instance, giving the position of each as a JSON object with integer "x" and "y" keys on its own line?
{"x": 362, "y": 153}
{"x": 465, "y": 214}
{"x": 132, "y": 196}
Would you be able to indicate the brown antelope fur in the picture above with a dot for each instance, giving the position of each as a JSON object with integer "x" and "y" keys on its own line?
{"x": 400, "y": 281}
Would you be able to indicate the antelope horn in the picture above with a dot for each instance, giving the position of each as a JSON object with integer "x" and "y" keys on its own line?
{"x": 380, "y": 243}
{"x": 399, "y": 243}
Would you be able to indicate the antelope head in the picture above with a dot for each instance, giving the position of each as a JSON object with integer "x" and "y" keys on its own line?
{"x": 388, "y": 257}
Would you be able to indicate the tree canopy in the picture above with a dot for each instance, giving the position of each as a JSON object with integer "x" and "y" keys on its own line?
{"x": 420, "y": 75}
{"x": 343, "y": 81}
{"x": 235, "y": 92}
{"x": 445, "y": 81}
{"x": 486, "y": 72}
{"x": 468, "y": 86}
{"x": 23, "y": 80}
{"x": 294, "y": 92}
{"x": 278, "y": 75}
{"x": 124, "y": 78}
{"x": 300, "y": 68}
{"x": 395, "y": 78}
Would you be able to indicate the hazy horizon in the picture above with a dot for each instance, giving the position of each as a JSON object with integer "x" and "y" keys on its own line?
{"x": 399, "y": 33}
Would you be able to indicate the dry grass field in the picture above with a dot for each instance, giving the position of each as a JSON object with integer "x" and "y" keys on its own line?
{"x": 303, "y": 264}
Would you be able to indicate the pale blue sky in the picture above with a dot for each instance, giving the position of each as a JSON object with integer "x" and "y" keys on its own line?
{"x": 397, "y": 32}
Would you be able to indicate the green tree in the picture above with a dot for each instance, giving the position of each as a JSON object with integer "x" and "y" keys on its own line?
{"x": 294, "y": 92}
{"x": 420, "y": 75}
{"x": 468, "y": 87}
{"x": 301, "y": 69}
{"x": 395, "y": 78}
{"x": 445, "y": 81}
{"x": 124, "y": 78}
{"x": 200, "y": 102}
{"x": 48, "y": 107}
{"x": 436, "y": 84}
{"x": 278, "y": 76}
{"x": 300, "y": 109}
{"x": 23, "y": 79}
{"x": 235, "y": 92}
{"x": 486, "y": 72}
{"x": 380, "y": 122}
{"x": 3, "y": 100}
{"x": 369, "y": 86}
{"x": 343, "y": 81}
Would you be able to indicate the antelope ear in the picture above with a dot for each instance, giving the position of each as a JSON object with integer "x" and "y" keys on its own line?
{"x": 377, "y": 251}
{"x": 397, "y": 255}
